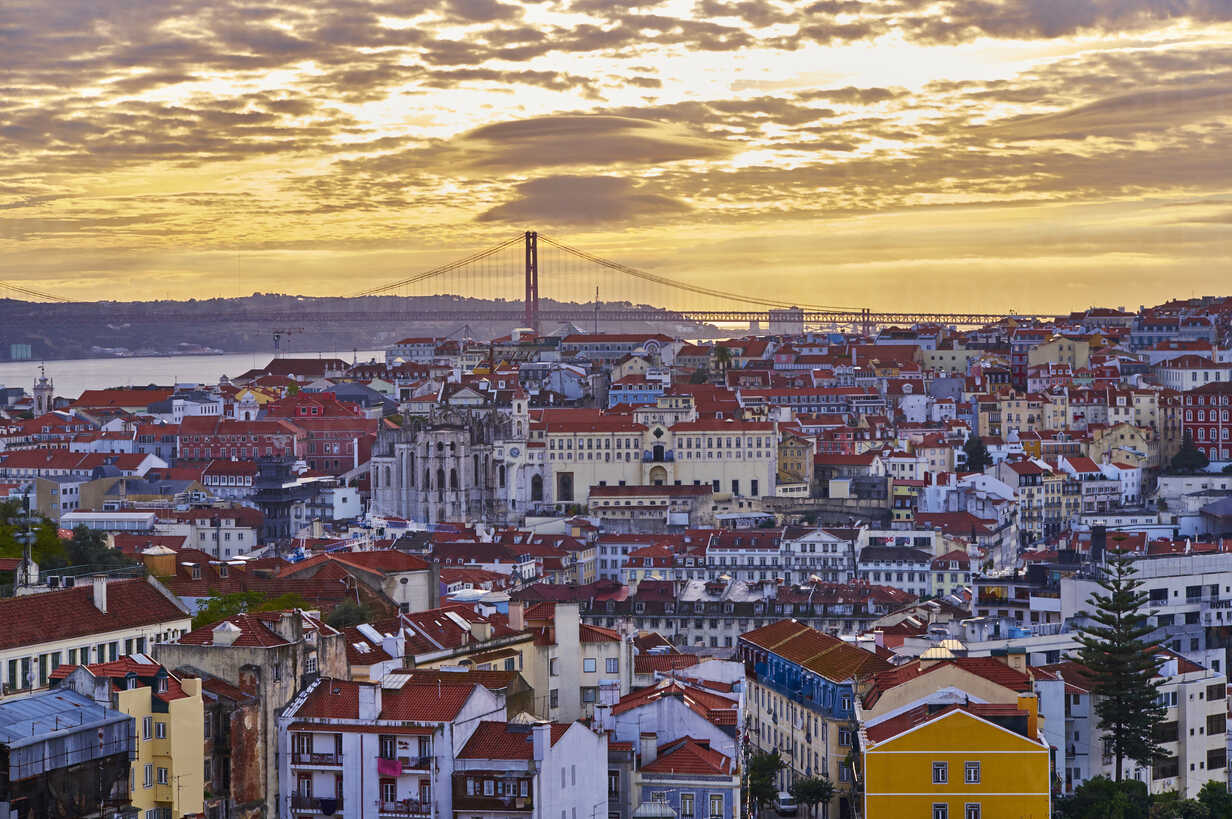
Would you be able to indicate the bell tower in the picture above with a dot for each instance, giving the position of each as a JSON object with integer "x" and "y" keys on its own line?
{"x": 44, "y": 393}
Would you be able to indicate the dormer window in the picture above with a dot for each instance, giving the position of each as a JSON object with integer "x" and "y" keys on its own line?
{"x": 196, "y": 572}
{"x": 162, "y": 685}
{"x": 223, "y": 570}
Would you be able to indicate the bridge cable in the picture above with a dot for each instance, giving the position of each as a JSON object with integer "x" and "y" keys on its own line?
{"x": 438, "y": 271}
{"x": 692, "y": 288}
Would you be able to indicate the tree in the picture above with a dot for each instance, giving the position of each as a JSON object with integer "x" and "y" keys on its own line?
{"x": 88, "y": 548}
{"x": 763, "y": 768}
{"x": 1214, "y": 795}
{"x": 221, "y": 606}
{"x": 812, "y": 791}
{"x": 1101, "y": 798}
{"x": 978, "y": 456}
{"x": 1189, "y": 458}
{"x": 722, "y": 358}
{"x": 700, "y": 376}
{"x": 349, "y": 613}
{"x": 1170, "y": 805}
{"x": 1121, "y": 665}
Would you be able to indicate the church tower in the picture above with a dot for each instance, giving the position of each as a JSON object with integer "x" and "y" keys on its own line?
{"x": 44, "y": 393}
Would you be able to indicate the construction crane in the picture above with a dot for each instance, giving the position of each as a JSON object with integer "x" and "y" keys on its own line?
{"x": 279, "y": 333}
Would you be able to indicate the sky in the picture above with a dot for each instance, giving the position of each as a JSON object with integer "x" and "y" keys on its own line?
{"x": 1028, "y": 155}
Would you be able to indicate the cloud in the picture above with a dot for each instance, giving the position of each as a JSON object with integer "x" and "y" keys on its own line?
{"x": 600, "y": 140}
{"x": 583, "y": 200}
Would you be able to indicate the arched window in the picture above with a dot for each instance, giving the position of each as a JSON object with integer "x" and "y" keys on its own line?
{"x": 501, "y": 473}
{"x": 453, "y": 479}
{"x": 427, "y": 482}
{"x": 388, "y": 482}
{"x": 536, "y": 488}
{"x": 440, "y": 484}
{"x": 475, "y": 466}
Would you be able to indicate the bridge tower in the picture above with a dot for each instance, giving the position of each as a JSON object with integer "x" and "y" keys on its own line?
{"x": 532, "y": 280}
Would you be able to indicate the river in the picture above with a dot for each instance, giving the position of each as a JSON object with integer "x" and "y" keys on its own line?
{"x": 73, "y": 376}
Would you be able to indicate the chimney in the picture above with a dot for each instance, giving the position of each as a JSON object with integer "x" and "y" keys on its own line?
{"x": 100, "y": 593}
{"x": 369, "y": 702}
{"x": 649, "y": 747}
{"x": 516, "y": 620}
{"x": 481, "y": 631}
{"x": 541, "y": 736}
{"x": 1030, "y": 704}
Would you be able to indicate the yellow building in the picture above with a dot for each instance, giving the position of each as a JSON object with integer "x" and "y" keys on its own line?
{"x": 167, "y": 775}
{"x": 969, "y": 761}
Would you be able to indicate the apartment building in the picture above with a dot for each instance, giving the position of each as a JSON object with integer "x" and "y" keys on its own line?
{"x": 167, "y": 770}
{"x": 93, "y": 622}
{"x": 376, "y": 750}
{"x": 801, "y": 701}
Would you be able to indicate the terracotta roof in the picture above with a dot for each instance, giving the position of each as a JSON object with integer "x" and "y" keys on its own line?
{"x": 339, "y": 699}
{"x": 690, "y": 756}
{"x": 502, "y": 740}
{"x": 716, "y": 708}
{"x": 650, "y": 663}
{"x": 820, "y": 653}
{"x": 990, "y": 668}
{"x": 253, "y": 633}
{"x": 69, "y": 613}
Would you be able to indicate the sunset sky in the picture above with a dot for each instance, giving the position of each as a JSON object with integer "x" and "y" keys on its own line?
{"x": 1036, "y": 155}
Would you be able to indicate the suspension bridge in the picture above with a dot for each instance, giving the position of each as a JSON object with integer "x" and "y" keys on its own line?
{"x": 528, "y": 279}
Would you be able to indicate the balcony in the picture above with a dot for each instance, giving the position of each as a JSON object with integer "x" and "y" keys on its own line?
{"x": 299, "y": 758}
{"x": 405, "y": 807}
{"x": 415, "y": 763}
{"x": 312, "y": 804}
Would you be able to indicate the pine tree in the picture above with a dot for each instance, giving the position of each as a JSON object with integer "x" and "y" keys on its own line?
{"x": 1122, "y": 665}
{"x": 978, "y": 457}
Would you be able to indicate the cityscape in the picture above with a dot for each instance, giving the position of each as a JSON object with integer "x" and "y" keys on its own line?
{"x": 849, "y": 572}
{"x": 581, "y": 409}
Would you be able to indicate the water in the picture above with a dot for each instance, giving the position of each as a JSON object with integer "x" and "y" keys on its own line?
{"x": 74, "y": 376}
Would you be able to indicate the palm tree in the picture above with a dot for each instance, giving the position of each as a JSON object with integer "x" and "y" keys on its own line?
{"x": 722, "y": 358}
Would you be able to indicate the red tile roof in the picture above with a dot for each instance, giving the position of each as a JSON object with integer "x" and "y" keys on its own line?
{"x": 651, "y": 663}
{"x": 339, "y": 699}
{"x": 70, "y": 613}
{"x": 892, "y": 727}
{"x": 690, "y": 756}
{"x": 253, "y": 633}
{"x": 502, "y": 740}
{"x": 990, "y": 668}
{"x": 820, "y": 653}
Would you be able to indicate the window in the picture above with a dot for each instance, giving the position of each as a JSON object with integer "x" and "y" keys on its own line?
{"x": 844, "y": 738}
{"x": 148, "y": 778}
{"x": 941, "y": 811}
{"x": 613, "y": 665}
{"x": 972, "y": 810}
{"x": 209, "y": 725}
{"x": 554, "y": 698}
{"x": 686, "y": 804}
{"x": 162, "y": 776}
{"x": 554, "y": 667}
{"x": 489, "y": 788}
{"x": 573, "y": 776}
{"x": 972, "y": 775}
{"x": 941, "y": 773}
{"x": 147, "y": 727}
{"x": 613, "y": 783}
{"x": 389, "y": 747}
{"x": 716, "y": 805}
{"x": 160, "y": 730}
{"x": 590, "y": 665}
{"x": 389, "y": 790}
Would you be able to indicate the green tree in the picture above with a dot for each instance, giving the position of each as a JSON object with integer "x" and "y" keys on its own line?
{"x": 349, "y": 613}
{"x": 1122, "y": 665}
{"x": 722, "y": 358}
{"x": 1101, "y": 798}
{"x": 1189, "y": 458}
{"x": 221, "y": 606}
{"x": 88, "y": 548}
{"x": 1170, "y": 805}
{"x": 812, "y": 791}
{"x": 700, "y": 376}
{"x": 978, "y": 456}
{"x": 1214, "y": 795}
{"x": 763, "y": 769}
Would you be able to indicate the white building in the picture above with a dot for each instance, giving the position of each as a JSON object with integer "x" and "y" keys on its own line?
{"x": 359, "y": 750}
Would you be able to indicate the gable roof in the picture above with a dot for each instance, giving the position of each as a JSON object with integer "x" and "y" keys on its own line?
{"x": 35, "y": 619}
{"x": 690, "y": 756}
{"x": 820, "y": 653}
{"x": 502, "y": 740}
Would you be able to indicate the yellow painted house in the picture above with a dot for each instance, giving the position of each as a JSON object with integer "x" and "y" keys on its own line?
{"x": 167, "y": 774}
{"x": 968, "y": 761}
